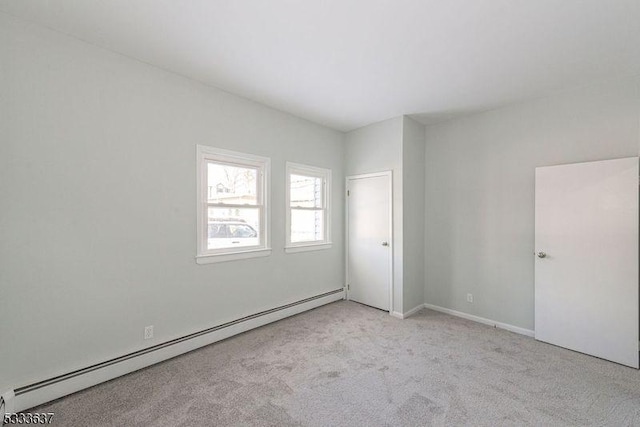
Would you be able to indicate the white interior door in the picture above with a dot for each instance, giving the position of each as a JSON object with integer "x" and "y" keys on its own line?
{"x": 369, "y": 251}
{"x": 586, "y": 265}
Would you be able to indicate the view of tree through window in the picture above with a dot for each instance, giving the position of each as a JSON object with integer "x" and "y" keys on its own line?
{"x": 231, "y": 184}
{"x": 233, "y": 212}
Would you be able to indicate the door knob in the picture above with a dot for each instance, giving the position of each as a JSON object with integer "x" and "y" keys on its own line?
{"x": 541, "y": 255}
{"x": 385, "y": 244}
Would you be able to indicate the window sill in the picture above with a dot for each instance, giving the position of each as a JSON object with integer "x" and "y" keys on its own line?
{"x": 233, "y": 256}
{"x": 308, "y": 247}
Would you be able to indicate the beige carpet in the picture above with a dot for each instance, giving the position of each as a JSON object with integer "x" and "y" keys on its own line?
{"x": 345, "y": 364}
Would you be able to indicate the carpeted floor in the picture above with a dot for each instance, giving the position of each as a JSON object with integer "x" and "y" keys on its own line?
{"x": 345, "y": 364}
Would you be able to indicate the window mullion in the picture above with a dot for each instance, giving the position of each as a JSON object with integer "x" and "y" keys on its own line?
{"x": 303, "y": 208}
{"x": 230, "y": 206}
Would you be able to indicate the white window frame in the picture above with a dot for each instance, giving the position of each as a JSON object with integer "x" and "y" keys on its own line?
{"x": 206, "y": 154}
{"x": 325, "y": 175}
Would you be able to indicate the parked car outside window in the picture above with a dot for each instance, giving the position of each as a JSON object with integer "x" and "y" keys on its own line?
{"x": 224, "y": 234}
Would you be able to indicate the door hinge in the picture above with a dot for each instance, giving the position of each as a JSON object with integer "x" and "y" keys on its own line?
{"x": 348, "y": 193}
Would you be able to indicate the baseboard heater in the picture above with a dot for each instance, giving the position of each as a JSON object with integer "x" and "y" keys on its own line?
{"x": 61, "y": 385}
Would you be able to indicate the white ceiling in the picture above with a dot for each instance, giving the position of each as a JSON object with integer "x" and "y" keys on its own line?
{"x": 348, "y": 63}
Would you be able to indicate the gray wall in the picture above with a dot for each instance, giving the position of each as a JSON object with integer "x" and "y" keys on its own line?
{"x": 413, "y": 146}
{"x": 98, "y": 199}
{"x": 479, "y": 177}
{"x": 375, "y": 148}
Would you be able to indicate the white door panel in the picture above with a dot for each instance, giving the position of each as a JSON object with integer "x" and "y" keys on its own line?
{"x": 586, "y": 287}
{"x": 369, "y": 240}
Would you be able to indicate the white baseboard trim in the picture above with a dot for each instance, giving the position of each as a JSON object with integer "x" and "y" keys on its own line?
{"x": 413, "y": 311}
{"x": 7, "y": 403}
{"x": 45, "y": 391}
{"x": 406, "y": 314}
{"x": 495, "y": 324}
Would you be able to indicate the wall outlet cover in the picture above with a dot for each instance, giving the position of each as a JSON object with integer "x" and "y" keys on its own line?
{"x": 148, "y": 332}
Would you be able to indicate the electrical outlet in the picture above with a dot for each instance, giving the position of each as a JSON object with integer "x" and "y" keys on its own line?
{"x": 469, "y": 297}
{"x": 148, "y": 332}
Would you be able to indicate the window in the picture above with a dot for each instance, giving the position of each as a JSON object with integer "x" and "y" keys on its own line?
{"x": 308, "y": 216}
{"x": 232, "y": 205}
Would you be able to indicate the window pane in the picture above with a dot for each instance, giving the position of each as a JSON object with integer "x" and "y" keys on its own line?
{"x": 307, "y": 226}
{"x": 231, "y": 184}
{"x": 233, "y": 228}
{"x": 306, "y": 191}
